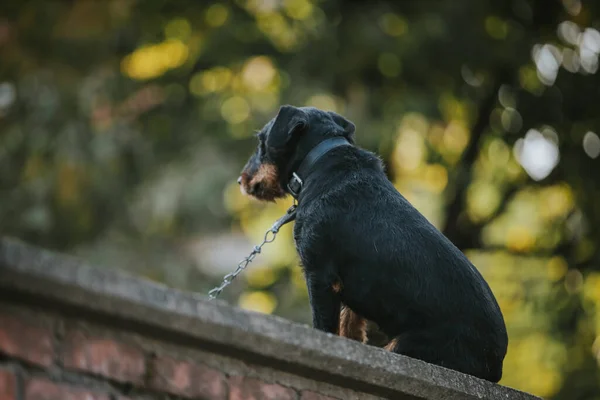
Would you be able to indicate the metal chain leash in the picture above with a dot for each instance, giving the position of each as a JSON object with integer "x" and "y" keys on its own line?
{"x": 270, "y": 236}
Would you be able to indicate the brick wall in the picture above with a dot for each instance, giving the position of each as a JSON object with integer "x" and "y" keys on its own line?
{"x": 69, "y": 331}
{"x": 48, "y": 357}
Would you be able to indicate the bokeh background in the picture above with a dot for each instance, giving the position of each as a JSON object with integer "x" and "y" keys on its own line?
{"x": 124, "y": 125}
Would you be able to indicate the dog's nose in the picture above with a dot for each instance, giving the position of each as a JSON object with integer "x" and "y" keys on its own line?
{"x": 239, "y": 181}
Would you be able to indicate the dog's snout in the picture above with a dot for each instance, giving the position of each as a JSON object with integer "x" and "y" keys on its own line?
{"x": 239, "y": 180}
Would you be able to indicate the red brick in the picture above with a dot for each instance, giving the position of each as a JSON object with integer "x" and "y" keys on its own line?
{"x": 42, "y": 389}
{"x": 241, "y": 388}
{"x": 186, "y": 379}
{"x": 8, "y": 385}
{"x": 105, "y": 357}
{"x": 26, "y": 341}
{"x": 308, "y": 395}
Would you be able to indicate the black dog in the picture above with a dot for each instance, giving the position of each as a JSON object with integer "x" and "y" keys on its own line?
{"x": 365, "y": 249}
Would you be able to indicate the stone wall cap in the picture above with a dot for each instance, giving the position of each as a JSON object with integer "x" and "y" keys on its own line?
{"x": 69, "y": 283}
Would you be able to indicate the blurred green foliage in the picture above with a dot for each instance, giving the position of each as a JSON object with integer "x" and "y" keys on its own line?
{"x": 123, "y": 125}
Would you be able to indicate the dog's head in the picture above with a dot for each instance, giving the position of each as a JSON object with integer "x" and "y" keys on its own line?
{"x": 282, "y": 145}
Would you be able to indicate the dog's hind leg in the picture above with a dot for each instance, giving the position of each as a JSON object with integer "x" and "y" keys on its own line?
{"x": 352, "y": 325}
{"x": 441, "y": 349}
{"x": 423, "y": 346}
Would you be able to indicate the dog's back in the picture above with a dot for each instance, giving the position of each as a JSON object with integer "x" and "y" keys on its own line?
{"x": 398, "y": 269}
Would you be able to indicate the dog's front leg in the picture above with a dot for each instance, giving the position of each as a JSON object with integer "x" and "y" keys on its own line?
{"x": 325, "y": 304}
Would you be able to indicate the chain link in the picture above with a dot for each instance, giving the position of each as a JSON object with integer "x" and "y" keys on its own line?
{"x": 270, "y": 236}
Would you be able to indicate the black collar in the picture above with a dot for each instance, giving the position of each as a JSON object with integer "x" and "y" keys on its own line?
{"x": 294, "y": 186}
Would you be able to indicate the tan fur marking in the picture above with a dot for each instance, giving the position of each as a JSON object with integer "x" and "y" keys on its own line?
{"x": 267, "y": 175}
{"x": 337, "y": 287}
{"x": 391, "y": 345}
{"x": 352, "y": 325}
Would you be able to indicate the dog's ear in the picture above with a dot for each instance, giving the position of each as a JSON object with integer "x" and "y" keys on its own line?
{"x": 346, "y": 125}
{"x": 289, "y": 122}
